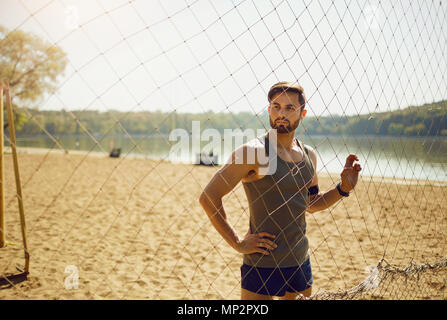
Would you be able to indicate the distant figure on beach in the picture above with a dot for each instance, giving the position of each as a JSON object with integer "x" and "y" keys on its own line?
{"x": 276, "y": 261}
{"x": 114, "y": 152}
{"x": 206, "y": 159}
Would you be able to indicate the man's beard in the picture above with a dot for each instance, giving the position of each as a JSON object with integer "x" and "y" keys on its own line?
{"x": 280, "y": 128}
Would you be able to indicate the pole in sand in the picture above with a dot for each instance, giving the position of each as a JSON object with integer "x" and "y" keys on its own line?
{"x": 12, "y": 137}
{"x": 2, "y": 196}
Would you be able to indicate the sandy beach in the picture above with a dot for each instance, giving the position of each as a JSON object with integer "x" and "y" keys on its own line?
{"x": 133, "y": 229}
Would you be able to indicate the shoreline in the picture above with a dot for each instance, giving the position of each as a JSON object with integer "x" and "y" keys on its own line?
{"x": 131, "y": 156}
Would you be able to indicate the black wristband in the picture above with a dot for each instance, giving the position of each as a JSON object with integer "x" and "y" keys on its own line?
{"x": 341, "y": 192}
{"x": 313, "y": 190}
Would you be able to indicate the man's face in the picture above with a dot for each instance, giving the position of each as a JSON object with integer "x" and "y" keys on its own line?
{"x": 285, "y": 112}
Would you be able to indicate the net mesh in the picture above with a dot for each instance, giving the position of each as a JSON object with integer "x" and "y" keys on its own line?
{"x": 132, "y": 227}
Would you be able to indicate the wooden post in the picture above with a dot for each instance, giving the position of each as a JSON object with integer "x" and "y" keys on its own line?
{"x": 2, "y": 196}
{"x": 12, "y": 137}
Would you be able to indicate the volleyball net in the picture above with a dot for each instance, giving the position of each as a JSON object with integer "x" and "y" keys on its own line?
{"x": 159, "y": 83}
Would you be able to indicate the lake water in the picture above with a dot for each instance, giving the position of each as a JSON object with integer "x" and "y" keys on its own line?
{"x": 392, "y": 157}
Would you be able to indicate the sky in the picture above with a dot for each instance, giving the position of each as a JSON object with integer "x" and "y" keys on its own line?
{"x": 351, "y": 57}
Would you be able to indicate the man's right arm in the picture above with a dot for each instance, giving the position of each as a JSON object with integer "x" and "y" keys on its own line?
{"x": 223, "y": 181}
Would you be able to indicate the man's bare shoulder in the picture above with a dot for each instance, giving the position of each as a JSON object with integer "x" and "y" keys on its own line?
{"x": 312, "y": 153}
{"x": 249, "y": 152}
{"x": 256, "y": 143}
{"x": 310, "y": 150}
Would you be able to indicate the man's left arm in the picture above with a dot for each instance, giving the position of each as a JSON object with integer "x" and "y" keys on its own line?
{"x": 322, "y": 200}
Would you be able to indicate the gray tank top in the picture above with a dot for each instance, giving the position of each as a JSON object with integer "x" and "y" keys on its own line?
{"x": 277, "y": 205}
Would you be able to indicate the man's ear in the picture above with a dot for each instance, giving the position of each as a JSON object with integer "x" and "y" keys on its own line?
{"x": 303, "y": 113}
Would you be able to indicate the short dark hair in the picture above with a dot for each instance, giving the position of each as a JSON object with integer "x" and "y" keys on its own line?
{"x": 286, "y": 86}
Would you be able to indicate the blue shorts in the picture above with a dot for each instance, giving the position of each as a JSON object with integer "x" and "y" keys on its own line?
{"x": 276, "y": 281}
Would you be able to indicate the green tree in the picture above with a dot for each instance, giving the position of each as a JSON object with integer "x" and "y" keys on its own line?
{"x": 395, "y": 129}
{"x": 416, "y": 130}
{"x": 29, "y": 65}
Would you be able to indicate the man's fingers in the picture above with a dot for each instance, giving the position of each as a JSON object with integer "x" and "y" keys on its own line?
{"x": 270, "y": 244}
{"x": 266, "y": 234}
{"x": 266, "y": 244}
{"x": 347, "y": 171}
{"x": 262, "y": 251}
{"x": 350, "y": 160}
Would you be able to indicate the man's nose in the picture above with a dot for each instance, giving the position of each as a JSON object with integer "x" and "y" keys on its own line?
{"x": 282, "y": 113}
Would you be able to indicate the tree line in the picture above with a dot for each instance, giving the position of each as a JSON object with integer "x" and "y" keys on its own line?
{"x": 426, "y": 120}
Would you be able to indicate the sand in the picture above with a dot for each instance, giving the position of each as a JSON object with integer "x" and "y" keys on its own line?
{"x": 133, "y": 229}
